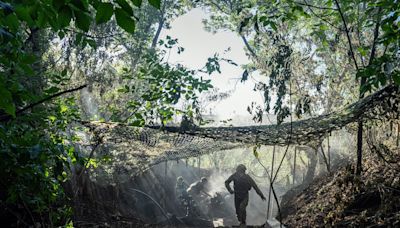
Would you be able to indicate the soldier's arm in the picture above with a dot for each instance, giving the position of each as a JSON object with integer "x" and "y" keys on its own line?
{"x": 254, "y": 185}
{"x": 227, "y": 182}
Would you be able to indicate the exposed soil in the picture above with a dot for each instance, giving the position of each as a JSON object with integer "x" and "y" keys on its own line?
{"x": 343, "y": 199}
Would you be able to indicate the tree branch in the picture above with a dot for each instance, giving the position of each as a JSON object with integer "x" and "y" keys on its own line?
{"x": 376, "y": 34}
{"x": 219, "y": 7}
{"x": 321, "y": 18}
{"x": 314, "y": 6}
{"x": 347, "y": 34}
{"x": 252, "y": 52}
{"x": 94, "y": 36}
{"x": 161, "y": 23}
{"x": 158, "y": 32}
{"x": 18, "y": 112}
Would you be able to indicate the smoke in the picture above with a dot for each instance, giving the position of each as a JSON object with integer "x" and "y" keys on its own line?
{"x": 89, "y": 105}
{"x": 216, "y": 182}
{"x": 256, "y": 209}
{"x": 159, "y": 181}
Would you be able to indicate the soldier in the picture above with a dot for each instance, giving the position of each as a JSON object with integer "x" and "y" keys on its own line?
{"x": 198, "y": 187}
{"x": 242, "y": 185}
{"x": 180, "y": 188}
{"x": 181, "y": 194}
{"x": 196, "y": 195}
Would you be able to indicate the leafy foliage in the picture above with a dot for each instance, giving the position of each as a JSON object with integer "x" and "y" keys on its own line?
{"x": 314, "y": 32}
{"x": 159, "y": 87}
{"x": 360, "y": 41}
{"x": 35, "y": 150}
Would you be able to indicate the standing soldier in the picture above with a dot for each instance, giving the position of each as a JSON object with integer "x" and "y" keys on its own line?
{"x": 181, "y": 194}
{"x": 180, "y": 188}
{"x": 242, "y": 183}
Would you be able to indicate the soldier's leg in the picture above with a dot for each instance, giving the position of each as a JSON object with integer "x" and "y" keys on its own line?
{"x": 237, "y": 206}
{"x": 243, "y": 205}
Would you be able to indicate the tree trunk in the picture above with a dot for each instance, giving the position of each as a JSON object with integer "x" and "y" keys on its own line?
{"x": 160, "y": 26}
{"x": 270, "y": 189}
{"x": 328, "y": 168}
{"x": 398, "y": 135}
{"x": 362, "y": 83}
{"x": 158, "y": 32}
{"x": 312, "y": 157}
{"x": 329, "y": 152}
{"x": 294, "y": 166}
{"x": 34, "y": 44}
{"x": 252, "y": 52}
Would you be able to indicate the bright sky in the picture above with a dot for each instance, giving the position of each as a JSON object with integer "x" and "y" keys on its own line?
{"x": 199, "y": 45}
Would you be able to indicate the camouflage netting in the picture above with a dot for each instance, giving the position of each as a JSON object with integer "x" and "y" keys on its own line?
{"x": 134, "y": 149}
{"x": 140, "y": 148}
{"x": 382, "y": 105}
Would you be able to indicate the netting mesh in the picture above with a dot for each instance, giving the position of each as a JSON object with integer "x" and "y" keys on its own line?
{"x": 136, "y": 149}
{"x": 382, "y": 105}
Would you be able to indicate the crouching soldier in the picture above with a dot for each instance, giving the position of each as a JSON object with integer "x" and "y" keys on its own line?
{"x": 197, "y": 191}
{"x": 198, "y": 187}
{"x": 242, "y": 183}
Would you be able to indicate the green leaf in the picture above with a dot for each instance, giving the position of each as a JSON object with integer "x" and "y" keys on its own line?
{"x": 63, "y": 108}
{"x": 396, "y": 78}
{"x": 137, "y": 123}
{"x": 124, "y": 20}
{"x": 52, "y": 118}
{"x": 273, "y": 25}
{"x": 52, "y": 90}
{"x": 78, "y": 39}
{"x": 11, "y": 21}
{"x": 57, "y": 4}
{"x": 125, "y": 6}
{"x": 28, "y": 59}
{"x": 362, "y": 51}
{"x": 137, "y": 3}
{"x": 82, "y": 20}
{"x": 255, "y": 152}
{"x": 138, "y": 116}
{"x": 42, "y": 20}
{"x": 155, "y": 3}
{"x": 27, "y": 69}
{"x": 6, "y": 102}
{"x": 92, "y": 43}
{"x": 23, "y": 14}
{"x": 80, "y": 4}
{"x": 64, "y": 16}
{"x": 104, "y": 12}
{"x": 64, "y": 72}
{"x": 61, "y": 34}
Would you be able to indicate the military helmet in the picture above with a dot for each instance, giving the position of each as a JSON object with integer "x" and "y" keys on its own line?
{"x": 241, "y": 167}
